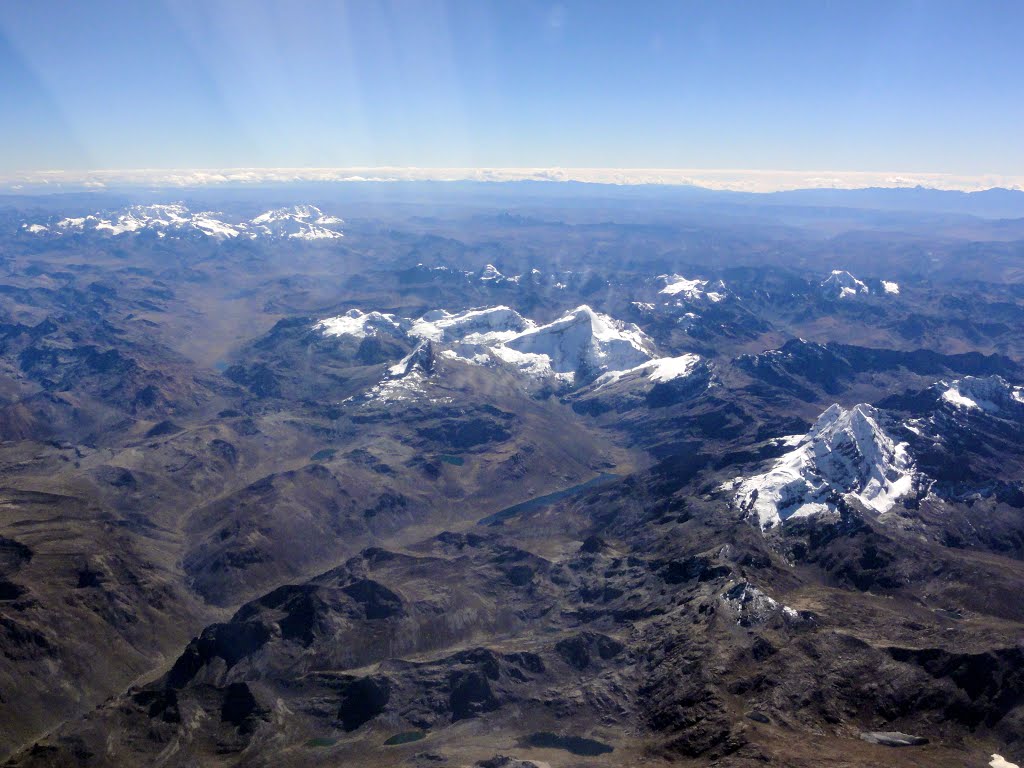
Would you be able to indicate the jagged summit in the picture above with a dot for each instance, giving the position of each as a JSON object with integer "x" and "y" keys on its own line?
{"x": 420, "y": 360}
{"x": 490, "y": 272}
{"x": 846, "y": 453}
{"x": 577, "y": 347}
{"x": 358, "y": 324}
{"x": 842, "y": 285}
{"x": 488, "y": 325}
{"x": 296, "y": 212}
{"x": 165, "y": 220}
{"x": 383, "y": 472}
{"x": 583, "y": 344}
{"x": 300, "y": 222}
{"x": 990, "y": 394}
{"x": 692, "y": 290}
{"x": 305, "y": 222}
{"x": 481, "y": 326}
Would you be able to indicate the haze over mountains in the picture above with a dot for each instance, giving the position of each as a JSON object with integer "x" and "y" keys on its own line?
{"x": 923, "y": 193}
{"x": 471, "y": 474}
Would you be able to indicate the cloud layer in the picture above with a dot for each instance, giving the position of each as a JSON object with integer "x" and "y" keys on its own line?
{"x": 734, "y": 180}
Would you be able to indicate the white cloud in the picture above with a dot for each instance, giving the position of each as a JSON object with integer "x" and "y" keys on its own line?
{"x": 904, "y": 181}
{"x": 828, "y": 182}
{"x": 720, "y": 179}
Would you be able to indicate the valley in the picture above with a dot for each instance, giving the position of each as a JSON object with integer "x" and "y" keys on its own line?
{"x": 588, "y": 480}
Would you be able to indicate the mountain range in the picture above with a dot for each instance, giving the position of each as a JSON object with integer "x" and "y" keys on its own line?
{"x": 304, "y": 222}
{"x": 536, "y": 479}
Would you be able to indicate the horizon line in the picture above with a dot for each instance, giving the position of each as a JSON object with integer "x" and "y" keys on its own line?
{"x": 715, "y": 179}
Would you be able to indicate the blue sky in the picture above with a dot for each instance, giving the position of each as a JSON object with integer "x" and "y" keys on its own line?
{"x": 849, "y": 86}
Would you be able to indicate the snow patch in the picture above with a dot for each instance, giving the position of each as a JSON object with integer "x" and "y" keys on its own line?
{"x": 659, "y": 370}
{"x": 408, "y": 379}
{"x": 490, "y": 272}
{"x": 790, "y": 441}
{"x": 953, "y": 395}
{"x": 983, "y": 393}
{"x": 214, "y": 228}
{"x": 669, "y": 368}
{"x": 752, "y": 606}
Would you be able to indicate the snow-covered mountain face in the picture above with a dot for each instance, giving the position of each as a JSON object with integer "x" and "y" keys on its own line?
{"x": 842, "y": 285}
{"x": 580, "y": 347}
{"x": 953, "y": 408}
{"x": 300, "y": 222}
{"x": 682, "y": 298}
{"x": 890, "y": 287}
{"x": 966, "y": 432}
{"x": 486, "y": 326}
{"x": 359, "y": 325}
{"x": 845, "y": 454}
{"x": 989, "y": 394}
{"x": 656, "y": 383}
{"x": 404, "y": 379}
{"x": 659, "y": 371}
{"x": 692, "y": 290}
{"x": 165, "y": 220}
{"x": 303, "y": 222}
{"x": 491, "y": 274}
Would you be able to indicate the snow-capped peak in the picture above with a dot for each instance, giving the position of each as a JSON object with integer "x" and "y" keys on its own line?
{"x": 692, "y": 290}
{"x": 846, "y": 453}
{"x": 304, "y": 222}
{"x": 487, "y": 326}
{"x": 300, "y": 212}
{"x": 580, "y": 343}
{"x": 172, "y": 219}
{"x": 421, "y": 360}
{"x": 407, "y": 380}
{"x": 490, "y": 272}
{"x": 981, "y": 393}
{"x": 358, "y": 324}
{"x": 841, "y": 285}
{"x": 577, "y": 347}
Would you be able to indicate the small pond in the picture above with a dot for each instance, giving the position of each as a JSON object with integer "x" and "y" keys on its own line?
{"x": 577, "y": 745}
{"x": 405, "y": 737}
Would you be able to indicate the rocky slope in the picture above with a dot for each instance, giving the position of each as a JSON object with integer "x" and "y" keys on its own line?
{"x": 566, "y": 486}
